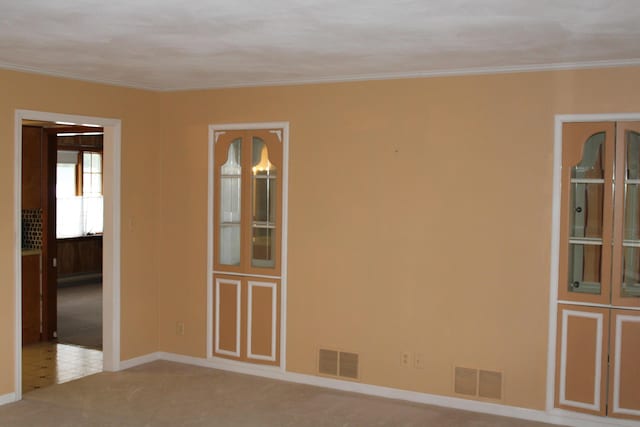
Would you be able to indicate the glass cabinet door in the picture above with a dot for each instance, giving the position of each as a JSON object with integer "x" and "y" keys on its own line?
{"x": 263, "y": 200}
{"x": 585, "y": 216}
{"x": 626, "y": 290}
{"x": 230, "y": 205}
{"x": 247, "y": 211}
{"x": 587, "y": 204}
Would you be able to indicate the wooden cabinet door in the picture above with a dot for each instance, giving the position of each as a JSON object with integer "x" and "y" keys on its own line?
{"x": 31, "y": 167}
{"x": 30, "y": 299}
{"x": 581, "y": 365}
{"x": 624, "y": 371}
{"x": 227, "y": 316}
{"x": 263, "y": 320}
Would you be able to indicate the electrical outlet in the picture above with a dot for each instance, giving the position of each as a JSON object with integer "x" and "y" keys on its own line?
{"x": 418, "y": 361}
{"x": 179, "y": 328}
{"x": 405, "y": 359}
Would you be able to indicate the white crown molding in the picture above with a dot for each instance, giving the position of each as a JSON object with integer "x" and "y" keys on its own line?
{"x": 60, "y": 74}
{"x": 424, "y": 74}
{"x": 562, "y": 66}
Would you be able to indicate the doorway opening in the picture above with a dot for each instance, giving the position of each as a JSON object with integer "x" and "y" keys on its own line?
{"x": 67, "y": 271}
{"x": 62, "y": 226}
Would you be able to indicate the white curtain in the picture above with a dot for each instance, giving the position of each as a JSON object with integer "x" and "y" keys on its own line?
{"x": 76, "y": 215}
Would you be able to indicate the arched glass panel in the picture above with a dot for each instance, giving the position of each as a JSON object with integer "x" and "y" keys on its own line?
{"x": 263, "y": 211}
{"x": 587, "y": 190}
{"x": 631, "y": 243}
{"x": 230, "y": 205}
{"x": 586, "y": 218}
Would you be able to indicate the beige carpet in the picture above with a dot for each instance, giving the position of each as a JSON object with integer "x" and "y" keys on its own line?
{"x": 171, "y": 394}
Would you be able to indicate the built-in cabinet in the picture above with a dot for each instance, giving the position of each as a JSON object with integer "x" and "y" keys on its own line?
{"x": 247, "y": 244}
{"x": 79, "y": 256}
{"x": 31, "y": 297}
{"x": 31, "y": 167}
{"x": 32, "y": 233}
{"x": 598, "y": 337}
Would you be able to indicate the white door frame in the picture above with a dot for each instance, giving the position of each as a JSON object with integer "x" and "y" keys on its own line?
{"x": 217, "y": 361}
{"x": 111, "y": 237}
{"x": 560, "y": 119}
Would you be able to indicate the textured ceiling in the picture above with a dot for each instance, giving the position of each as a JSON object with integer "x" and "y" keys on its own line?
{"x": 171, "y": 45}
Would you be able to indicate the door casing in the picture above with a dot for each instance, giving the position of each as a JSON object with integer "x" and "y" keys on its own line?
{"x": 111, "y": 238}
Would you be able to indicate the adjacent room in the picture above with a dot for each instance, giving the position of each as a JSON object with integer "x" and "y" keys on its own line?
{"x": 320, "y": 213}
{"x": 61, "y": 224}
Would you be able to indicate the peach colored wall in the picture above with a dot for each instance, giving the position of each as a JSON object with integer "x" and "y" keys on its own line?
{"x": 419, "y": 218}
{"x": 140, "y": 171}
{"x": 419, "y": 215}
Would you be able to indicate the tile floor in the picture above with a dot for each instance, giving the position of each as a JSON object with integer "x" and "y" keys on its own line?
{"x": 48, "y": 363}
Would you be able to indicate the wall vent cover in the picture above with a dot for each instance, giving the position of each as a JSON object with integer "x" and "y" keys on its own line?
{"x": 348, "y": 363}
{"x": 466, "y": 381}
{"x": 339, "y": 363}
{"x": 328, "y": 362}
{"x": 490, "y": 385}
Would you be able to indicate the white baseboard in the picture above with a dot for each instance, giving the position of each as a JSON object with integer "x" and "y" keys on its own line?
{"x": 141, "y": 360}
{"x": 552, "y": 417}
{"x": 7, "y": 398}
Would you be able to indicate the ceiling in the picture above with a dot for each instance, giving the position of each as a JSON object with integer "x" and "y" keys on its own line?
{"x": 191, "y": 44}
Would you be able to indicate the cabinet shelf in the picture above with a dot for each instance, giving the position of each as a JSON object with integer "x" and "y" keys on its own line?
{"x": 631, "y": 243}
{"x": 264, "y": 225}
{"x": 585, "y": 241}
{"x": 587, "y": 181}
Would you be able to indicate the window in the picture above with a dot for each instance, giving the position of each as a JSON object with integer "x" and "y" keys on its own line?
{"x": 79, "y": 194}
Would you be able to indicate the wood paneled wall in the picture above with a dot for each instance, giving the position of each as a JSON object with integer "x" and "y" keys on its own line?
{"x": 79, "y": 255}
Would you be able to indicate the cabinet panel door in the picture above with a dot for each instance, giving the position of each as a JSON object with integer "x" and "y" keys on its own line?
{"x": 582, "y": 359}
{"x": 228, "y": 316}
{"x": 624, "y": 390}
{"x": 262, "y": 320}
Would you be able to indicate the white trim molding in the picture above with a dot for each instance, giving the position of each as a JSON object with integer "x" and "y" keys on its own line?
{"x": 219, "y": 282}
{"x": 141, "y": 360}
{"x": 599, "y": 318}
{"x": 7, "y": 398}
{"x": 620, "y": 319}
{"x": 111, "y": 241}
{"x": 274, "y": 315}
{"x": 558, "y": 66}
